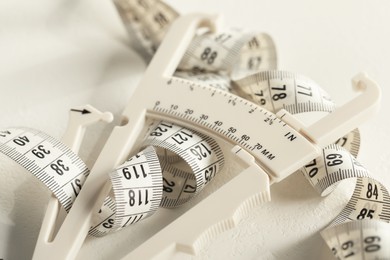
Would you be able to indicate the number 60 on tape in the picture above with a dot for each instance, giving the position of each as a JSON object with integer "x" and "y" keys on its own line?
{"x": 270, "y": 151}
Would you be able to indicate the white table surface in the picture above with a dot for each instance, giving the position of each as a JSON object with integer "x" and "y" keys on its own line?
{"x": 56, "y": 54}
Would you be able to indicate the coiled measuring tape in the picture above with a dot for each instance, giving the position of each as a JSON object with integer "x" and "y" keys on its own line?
{"x": 139, "y": 187}
{"x": 145, "y": 182}
{"x": 130, "y": 194}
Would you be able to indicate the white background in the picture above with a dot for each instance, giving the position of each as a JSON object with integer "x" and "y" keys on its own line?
{"x": 57, "y": 54}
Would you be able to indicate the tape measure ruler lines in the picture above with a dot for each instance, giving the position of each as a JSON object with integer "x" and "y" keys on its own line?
{"x": 235, "y": 50}
{"x": 266, "y": 159}
{"x": 79, "y": 119}
{"x": 27, "y": 146}
{"x": 141, "y": 184}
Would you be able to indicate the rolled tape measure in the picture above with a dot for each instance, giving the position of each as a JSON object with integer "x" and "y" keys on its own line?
{"x": 140, "y": 185}
{"x": 146, "y": 181}
{"x": 175, "y": 162}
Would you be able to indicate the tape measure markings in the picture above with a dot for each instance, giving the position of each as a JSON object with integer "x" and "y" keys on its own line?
{"x": 208, "y": 52}
{"x": 193, "y": 147}
{"x": 138, "y": 182}
{"x": 243, "y": 51}
{"x": 333, "y": 156}
{"x": 271, "y": 90}
{"x": 258, "y": 54}
{"x": 103, "y": 220}
{"x": 373, "y": 234}
{"x": 147, "y": 20}
{"x": 350, "y": 142}
{"x": 51, "y": 153}
{"x": 177, "y": 177}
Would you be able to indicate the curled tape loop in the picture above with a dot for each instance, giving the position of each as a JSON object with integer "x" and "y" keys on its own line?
{"x": 193, "y": 147}
{"x": 146, "y": 181}
{"x": 140, "y": 185}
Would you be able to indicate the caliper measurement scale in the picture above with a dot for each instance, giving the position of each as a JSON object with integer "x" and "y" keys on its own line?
{"x": 270, "y": 146}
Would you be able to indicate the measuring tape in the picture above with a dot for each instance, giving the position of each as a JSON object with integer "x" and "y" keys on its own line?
{"x": 236, "y": 52}
{"x": 48, "y": 159}
{"x": 152, "y": 178}
{"x": 147, "y": 180}
{"x": 140, "y": 185}
{"x": 365, "y": 239}
{"x": 209, "y": 55}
